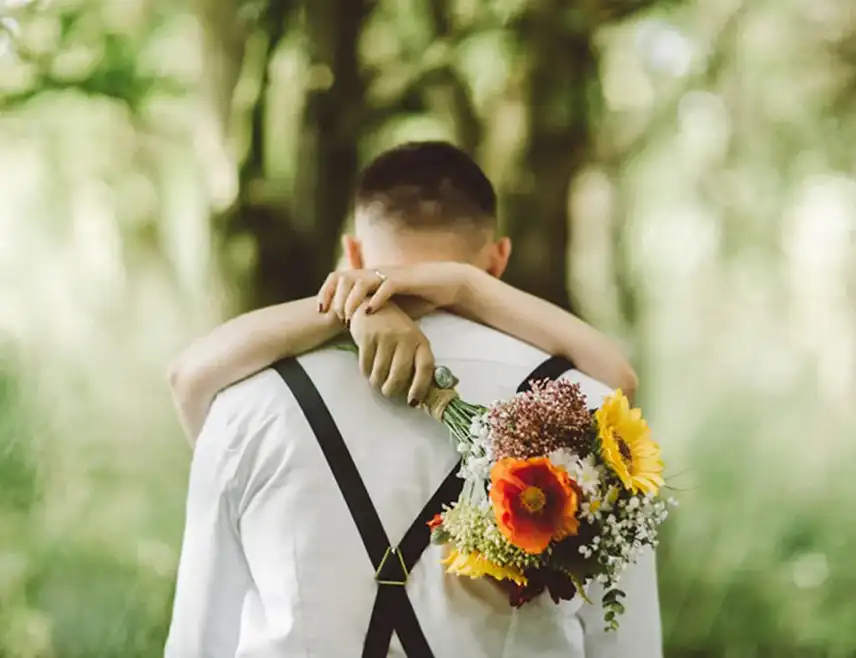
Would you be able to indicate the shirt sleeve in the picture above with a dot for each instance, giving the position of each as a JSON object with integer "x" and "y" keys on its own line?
{"x": 639, "y": 634}
{"x": 212, "y": 576}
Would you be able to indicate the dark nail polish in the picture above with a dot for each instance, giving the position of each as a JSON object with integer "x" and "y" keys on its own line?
{"x": 413, "y": 403}
{"x": 320, "y": 307}
{"x": 369, "y": 310}
{"x": 347, "y": 323}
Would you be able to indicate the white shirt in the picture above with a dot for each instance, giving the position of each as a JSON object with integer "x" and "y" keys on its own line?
{"x": 272, "y": 565}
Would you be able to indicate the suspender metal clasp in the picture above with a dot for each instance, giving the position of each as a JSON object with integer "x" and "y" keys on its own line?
{"x": 392, "y": 550}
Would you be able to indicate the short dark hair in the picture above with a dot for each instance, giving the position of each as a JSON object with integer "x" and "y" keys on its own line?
{"x": 429, "y": 184}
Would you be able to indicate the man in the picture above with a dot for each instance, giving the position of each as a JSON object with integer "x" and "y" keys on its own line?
{"x": 305, "y": 482}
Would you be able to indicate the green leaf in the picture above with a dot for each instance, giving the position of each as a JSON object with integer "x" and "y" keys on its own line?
{"x": 346, "y": 346}
{"x": 612, "y": 596}
{"x": 580, "y": 588}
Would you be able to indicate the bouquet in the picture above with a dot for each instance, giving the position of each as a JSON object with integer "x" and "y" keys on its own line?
{"x": 555, "y": 496}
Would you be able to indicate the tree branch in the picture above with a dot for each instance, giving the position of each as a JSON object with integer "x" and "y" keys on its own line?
{"x": 116, "y": 75}
{"x": 274, "y": 23}
{"x": 468, "y": 126}
{"x": 439, "y": 71}
{"x": 615, "y": 11}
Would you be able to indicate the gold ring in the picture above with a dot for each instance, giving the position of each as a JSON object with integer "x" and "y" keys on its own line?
{"x": 380, "y": 275}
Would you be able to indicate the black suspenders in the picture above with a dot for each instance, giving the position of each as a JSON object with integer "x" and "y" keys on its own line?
{"x": 392, "y": 611}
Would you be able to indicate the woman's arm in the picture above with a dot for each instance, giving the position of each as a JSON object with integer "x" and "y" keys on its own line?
{"x": 394, "y": 355}
{"x": 488, "y": 300}
{"x": 473, "y": 293}
{"x": 240, "y": 348}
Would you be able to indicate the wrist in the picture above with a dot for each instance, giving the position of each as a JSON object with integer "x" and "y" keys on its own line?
{"x": 330, "y": 325}
{"x": 415, "y": 307}
{"x": 467, "y": 289}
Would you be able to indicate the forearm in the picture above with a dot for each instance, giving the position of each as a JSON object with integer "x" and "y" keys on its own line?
{"x": 489, "y": 301}
{"x": 240, "y": 348}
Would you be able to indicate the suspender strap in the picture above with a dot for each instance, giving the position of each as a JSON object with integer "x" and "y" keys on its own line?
{"x": 415, "y": 541}
{"x": 333, "y": 446}
{"x": 552, "y": 368}
{"x": 392, "y": 611}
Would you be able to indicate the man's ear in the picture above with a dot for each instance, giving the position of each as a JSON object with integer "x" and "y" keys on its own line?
{"x": 500, "y": 253}
{"x": 352, "y": 251}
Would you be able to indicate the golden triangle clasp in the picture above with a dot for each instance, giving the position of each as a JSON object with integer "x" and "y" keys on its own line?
{"x": 389, "y": 551}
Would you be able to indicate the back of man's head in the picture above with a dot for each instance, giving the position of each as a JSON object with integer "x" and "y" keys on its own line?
{"x": 425, "y": 201}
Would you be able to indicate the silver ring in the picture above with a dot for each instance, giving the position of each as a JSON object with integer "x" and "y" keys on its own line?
{"x": 380, "y": 275}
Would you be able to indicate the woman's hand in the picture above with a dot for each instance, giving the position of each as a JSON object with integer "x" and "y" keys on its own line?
{"x": 440, "y": 283}
{"x": 395, "y": 355}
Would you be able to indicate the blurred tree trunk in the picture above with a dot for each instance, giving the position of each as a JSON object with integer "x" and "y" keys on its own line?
{"x": 224, "y": 33}
{"x": 561, "y": 75}
{"x": 296, "y": 244}
{"x": 331, "y": 129}
{"x": 437, "y": 89}
{"x": 446, "y": 92}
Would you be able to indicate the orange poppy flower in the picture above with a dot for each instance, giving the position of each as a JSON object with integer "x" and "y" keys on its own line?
{"x": 436, "y": 522}
{"x": 534, "y": 502}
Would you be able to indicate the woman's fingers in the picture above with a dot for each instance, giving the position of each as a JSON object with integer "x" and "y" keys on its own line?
{"x": 423, "y": 377}
{"x": 400, "y": 370}
{"x": 335, "y": 293}
{"x": 381, "y": 364}
{"x": 439, "y": 283}
{"x": 368, "y": 350}
{"x": 357, "y": 296}
{"x": 389, "y": 288}
{"x": 343, "y": 289}
{"x": 328, "y": 289}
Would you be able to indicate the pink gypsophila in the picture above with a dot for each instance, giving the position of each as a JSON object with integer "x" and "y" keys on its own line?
{"x": 552, "y": 415}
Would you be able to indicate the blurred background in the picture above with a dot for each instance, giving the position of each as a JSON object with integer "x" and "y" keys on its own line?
{"x": 678, "y": 172}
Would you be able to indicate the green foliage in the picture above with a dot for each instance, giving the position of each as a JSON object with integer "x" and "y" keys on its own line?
{"x": 613, "y": 608}
{"x": 76, "y": 53}
{"x": 18, "y": 467}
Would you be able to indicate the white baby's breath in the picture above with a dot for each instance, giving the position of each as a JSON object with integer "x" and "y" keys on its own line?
{"x": 476, "y": 468}
{"x": 476, "y": 459}
{"x": 626, "y": 529}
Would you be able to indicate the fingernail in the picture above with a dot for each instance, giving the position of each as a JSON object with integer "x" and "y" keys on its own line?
{"x": 347, "y": 323}
{"x": 369, "y": 310}
{"x": 320, "y": 307}
{"x": 413, "y": 403}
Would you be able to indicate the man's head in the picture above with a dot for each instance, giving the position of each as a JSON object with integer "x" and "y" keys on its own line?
{"x": 424, "y": 201}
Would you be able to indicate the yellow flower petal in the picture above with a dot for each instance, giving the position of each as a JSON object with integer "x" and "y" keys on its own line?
{"x": 627, "y": 446}
{"x": 476, "y": 565}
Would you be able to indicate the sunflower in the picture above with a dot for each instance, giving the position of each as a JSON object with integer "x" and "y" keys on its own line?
{"x": 476, "y": 565}
{"x": 627, "y": 447}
